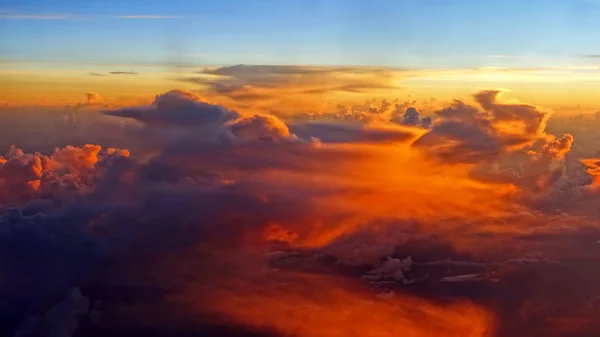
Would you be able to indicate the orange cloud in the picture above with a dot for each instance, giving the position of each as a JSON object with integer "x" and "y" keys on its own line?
{"x": 306, "y": 305}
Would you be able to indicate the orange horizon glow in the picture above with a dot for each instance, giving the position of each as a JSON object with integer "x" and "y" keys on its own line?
{"x": 53, "y": 86}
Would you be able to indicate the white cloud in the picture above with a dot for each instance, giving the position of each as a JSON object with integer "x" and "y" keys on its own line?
{"x": 151, "y": 17}
{"x": 12, "y": 16}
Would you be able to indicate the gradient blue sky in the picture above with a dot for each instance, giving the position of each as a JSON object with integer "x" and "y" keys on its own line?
{"x": 401, "y": 33}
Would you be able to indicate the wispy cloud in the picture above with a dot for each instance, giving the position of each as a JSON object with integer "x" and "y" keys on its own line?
{"x": 13, "y": 16}
{"x": 500, "y": 56}
{"x": 21, "y": 16}
{"x": 591, "y": 56}
{"x": 151, "y": 17}
{"x": 123, "y": 73}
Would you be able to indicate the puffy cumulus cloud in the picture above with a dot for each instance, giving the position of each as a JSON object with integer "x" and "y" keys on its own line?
{"x": 177, "y": 107}
{"x": 538, "y": 170}
{"x": 261, "y": 127}
{"x": 465, "y": 133}
{"x": 383, "y": 111}
{"x": 410, "y": 117}
{"x": 26, "y": 176}
{"x": 541, "y": 170}
{"x": 593, "y": 169}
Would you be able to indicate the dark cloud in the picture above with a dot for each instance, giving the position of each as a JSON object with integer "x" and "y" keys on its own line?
{"x": 278, "y": 85}
{"x": 464, "y": 133}
{"x": 242, "y": 70}
{"x": 344, "y": 132}
{"x": 123, "y": 73}
{"x": 177, "y": 108}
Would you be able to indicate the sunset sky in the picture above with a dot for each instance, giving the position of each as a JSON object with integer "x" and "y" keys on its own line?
{"x": 299, "y": 168}
{"x": 543, "y": 50}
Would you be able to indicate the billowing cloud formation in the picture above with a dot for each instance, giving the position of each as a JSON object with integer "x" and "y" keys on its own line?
{"x": 411, "y": 117}
{"x": 384, "y": 111}
{"x": 26, "y": 176}
{"x": 543, "y": 169}
{"x": 260, "y": 127}
{"x": 277, "y": 227}
{"x": 177, "y": 108}
{"x": 464, "y": 133}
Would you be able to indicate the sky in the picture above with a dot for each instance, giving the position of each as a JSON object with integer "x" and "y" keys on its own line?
{"x": 52, "y": 52}
{"x": 299, "y": 168}
{"x": 407, "y": 33}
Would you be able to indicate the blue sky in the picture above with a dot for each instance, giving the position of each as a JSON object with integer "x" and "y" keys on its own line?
{"x": 399, "y": 33}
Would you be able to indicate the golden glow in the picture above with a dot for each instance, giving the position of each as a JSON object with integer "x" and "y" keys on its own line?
{"x": 30, "y": 84}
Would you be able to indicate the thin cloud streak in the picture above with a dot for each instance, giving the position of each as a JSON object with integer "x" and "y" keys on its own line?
{"x": 40, "y": 17}
{"x": 150, "y": 17}
{"x": 14, "y": 16}
{"x": 123, "y": 73}
{"x": 497, "y": 56}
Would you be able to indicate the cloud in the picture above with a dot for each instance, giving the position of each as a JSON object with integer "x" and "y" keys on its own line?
{"x": 593, "y": 169}
{"x": 543, "y": 169}
{"x": 93, "y": 97}
{"x": 114, "y": 73}
{"x": 14, "y": 16}
{"x": 215, "y": 218}
{"x": 27, "y": 176}
{"x": 390, "y": 270}
{"x": 500, "y": 56}
{"x": 177, "y": 108}
{"x": 61, "y": 320}
{"x": 349, "y": 131}
{"x": 123, "y": 73}
{"x": 261, "y": 127}
{"x": 43, "y": 16}
{"x": 291, "y": 89}
{"x": 286, "y": 303}
{"x": 147, "y": 17}
{"x": 464, "y": 133}
{"x": 410, "y": 117}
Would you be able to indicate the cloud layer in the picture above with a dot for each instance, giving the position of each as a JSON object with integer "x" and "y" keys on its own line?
{"x": 372, "y": 220}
